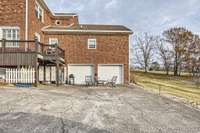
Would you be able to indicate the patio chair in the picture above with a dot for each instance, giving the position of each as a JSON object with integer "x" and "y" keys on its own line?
{"x": 88, "y": 80}
{"x": 113, "y": 81}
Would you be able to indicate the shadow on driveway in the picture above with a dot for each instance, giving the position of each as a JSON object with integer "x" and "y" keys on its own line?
{"x": 35, "y": 123}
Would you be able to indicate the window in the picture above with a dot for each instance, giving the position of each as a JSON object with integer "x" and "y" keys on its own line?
{"x": 11, "y": 34}
{"x": 91, "y": 43}
{"x": 39, "y": 12}
{"x": 37, "y": 36}
{"x": 53, "y": 41}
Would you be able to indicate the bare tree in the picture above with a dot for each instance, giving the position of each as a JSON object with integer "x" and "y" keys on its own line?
{"x": 192, "y": 56}
{"x": 144, "y": 50}
{"x": 179, "y": 38}
{"x": 165, "y": 54}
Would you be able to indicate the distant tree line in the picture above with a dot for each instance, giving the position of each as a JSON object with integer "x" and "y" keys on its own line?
{"x": 177, "y": 50}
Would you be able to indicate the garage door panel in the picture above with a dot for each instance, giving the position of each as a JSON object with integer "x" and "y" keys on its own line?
{"x": 106, "y": 72}
{"x": 80, "y": 71}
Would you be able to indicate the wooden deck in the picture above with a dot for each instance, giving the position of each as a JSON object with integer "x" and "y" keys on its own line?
{"x": 26, "y": 52}
{"x": 18, "y": 53}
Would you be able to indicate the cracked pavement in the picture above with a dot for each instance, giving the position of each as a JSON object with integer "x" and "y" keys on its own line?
{"x": 92, "y": 110}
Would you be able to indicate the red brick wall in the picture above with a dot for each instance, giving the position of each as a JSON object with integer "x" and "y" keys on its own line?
{"x": 12, "y": 13}
{"x": 65, "y": 21}
{"x": 111, "y": 49}
{"x": 35, "y": 25}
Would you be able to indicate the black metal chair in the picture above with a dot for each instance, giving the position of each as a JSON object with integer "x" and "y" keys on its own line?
{"x": 113, "y": 81}
{"x": 88, "y": 80}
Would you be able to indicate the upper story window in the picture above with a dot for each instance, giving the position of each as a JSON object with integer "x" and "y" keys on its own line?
{"x": 11, "y": 34}
{"x": 39, "y": 12}
{"x": 92, "y": 43}
{"x": 53, "y": 41}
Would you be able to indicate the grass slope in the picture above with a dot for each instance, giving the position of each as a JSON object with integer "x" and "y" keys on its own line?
{"x": 182, "y": 87}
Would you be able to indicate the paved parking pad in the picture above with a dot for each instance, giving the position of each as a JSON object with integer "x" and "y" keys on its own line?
{"x": 93, "y": 110}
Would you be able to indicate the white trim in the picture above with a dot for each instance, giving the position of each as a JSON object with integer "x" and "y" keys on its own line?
{"x": 87, "y": 31}
{"x": 88, "y": 43}
{"x": 44, "y": 4}
{"x": 66, "y": 15}
{"x": 80, "y": 64}
{"x": 9, "y": 27}
{"x": 13, "y": 35}
{"x": 48, "y": 26}
{"x": 26, "y": 21}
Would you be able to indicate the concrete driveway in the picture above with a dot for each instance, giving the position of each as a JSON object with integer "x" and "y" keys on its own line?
{"x": 92, "y": 110}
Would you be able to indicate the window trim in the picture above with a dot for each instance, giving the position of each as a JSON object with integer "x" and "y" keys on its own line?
{"x": 50, "y": 39}
{"x": 95, "y": 40}
{"x": 17, "y": 35}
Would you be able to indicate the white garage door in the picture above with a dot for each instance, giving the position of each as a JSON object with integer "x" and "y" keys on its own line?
{"x": 80, "y": 71}
{"x": 106, "y": 72}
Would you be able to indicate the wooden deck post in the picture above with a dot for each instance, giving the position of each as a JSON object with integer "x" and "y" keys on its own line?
{"x": 50, "y": 74}
{"x": 36, "y": 64}
{"x": 57, "y": 67}
{"x": 44, "y": 72}
{"x": 57, "y": 73}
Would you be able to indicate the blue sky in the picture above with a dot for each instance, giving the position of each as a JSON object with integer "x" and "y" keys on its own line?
{"x": 141, "y": 16}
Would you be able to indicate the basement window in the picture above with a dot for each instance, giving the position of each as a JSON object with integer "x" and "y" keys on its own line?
{"x": 92, "y": 43}
{"x": 39, "y": 12}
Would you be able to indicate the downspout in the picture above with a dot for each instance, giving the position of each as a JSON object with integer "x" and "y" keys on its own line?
{"x": 26, "y": 22}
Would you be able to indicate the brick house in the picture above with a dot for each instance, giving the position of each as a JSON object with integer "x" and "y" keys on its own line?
{"x": 101, "y": 50}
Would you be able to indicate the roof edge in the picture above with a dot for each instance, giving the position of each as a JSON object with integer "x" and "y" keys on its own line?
{"x": 55, "y": 14}
{"x": 65, "y": 14}
{"x": 88, "y": 31}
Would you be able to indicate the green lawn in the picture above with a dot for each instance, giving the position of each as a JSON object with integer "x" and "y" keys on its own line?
{"x": 182, "y": 86}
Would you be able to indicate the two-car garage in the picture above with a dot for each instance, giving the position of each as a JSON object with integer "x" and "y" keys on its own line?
{"x": 105, "y": 72}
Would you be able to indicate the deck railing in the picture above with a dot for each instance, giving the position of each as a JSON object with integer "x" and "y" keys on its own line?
{"x": 52, "y": 50}
{"x": 30, "y": 46}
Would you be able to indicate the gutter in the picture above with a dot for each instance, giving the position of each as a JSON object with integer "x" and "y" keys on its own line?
{"x": 88, "y": 31}
{"x": 26, "y": 21}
